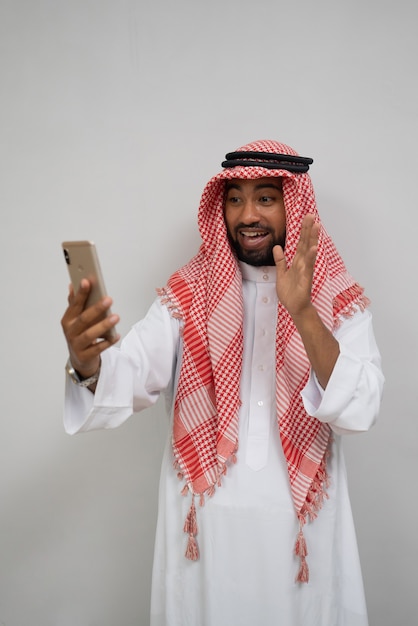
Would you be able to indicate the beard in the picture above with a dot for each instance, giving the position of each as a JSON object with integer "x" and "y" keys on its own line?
{"x": 258, "y": 258}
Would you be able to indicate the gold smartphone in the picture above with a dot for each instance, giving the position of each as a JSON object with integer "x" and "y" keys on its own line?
{"x": 83, "y": 262}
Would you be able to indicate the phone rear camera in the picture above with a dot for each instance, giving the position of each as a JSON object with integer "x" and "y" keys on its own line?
{"x": 67, "y": 257}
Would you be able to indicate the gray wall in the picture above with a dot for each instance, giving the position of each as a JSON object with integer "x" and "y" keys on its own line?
{"x": 114, "y": 114}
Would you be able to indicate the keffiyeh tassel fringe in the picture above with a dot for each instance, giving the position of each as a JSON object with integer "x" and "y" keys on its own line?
{"x": 314, "y": 501}
{"x": 172, "y": 307}
{"x": 301, "y": 551}
{"x": 190, "y": 527}
{"x": 346, "y": 304}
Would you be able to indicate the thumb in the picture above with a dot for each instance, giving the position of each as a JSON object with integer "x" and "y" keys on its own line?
{"x": 279, "y": 258}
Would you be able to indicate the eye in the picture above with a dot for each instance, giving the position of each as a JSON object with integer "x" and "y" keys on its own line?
{"x": 266, "y": 199}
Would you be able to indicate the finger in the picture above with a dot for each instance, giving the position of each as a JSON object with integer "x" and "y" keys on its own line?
{"x": 312, "y": 245}
{"x": 77, "y": 301}
{"x": 80, "y": 297}
{"x": 70, "y": 293}
{"x": 314, "y": 234}
{"x": 92, "y": 320}
{"x": 278, "y": 255}
{"x": 92, "y": 350}
{"x": 100, "y": 331}
{"x": 312, "y": 229}
{"x": 75, "y": 323}
{"x": 305, "y": 232}
{"x": 280, "y": 261}
{"x": 308, "y": 241}
{"x": 90, "y": 343}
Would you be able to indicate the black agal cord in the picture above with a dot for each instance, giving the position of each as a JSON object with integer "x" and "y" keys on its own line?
{"x": 269, "y": 160}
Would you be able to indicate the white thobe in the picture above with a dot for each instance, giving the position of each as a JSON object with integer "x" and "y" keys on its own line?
{"x": 246, "y": 571}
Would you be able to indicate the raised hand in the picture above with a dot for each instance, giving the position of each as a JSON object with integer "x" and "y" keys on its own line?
{"x": 86, "y": 330}
{"x": 294, "y": 284}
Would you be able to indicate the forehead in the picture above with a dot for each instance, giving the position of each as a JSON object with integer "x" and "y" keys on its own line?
{"x": 254, "y": 184}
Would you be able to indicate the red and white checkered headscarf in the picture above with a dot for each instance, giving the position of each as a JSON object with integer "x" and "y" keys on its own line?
{"x": 207, "y": 294}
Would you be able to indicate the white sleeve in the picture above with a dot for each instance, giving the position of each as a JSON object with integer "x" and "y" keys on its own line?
{"x": 131, "y": 377}
{"x": 351, "y": 400}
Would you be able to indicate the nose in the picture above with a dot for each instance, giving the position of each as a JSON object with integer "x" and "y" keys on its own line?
{"x": 249, "y": 212}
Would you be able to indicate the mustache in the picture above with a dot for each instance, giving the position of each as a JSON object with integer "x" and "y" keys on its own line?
{"x": 258, "y": 225}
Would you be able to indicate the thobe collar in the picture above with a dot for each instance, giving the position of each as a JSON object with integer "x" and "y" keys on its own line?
{"x": 255, "y": 274}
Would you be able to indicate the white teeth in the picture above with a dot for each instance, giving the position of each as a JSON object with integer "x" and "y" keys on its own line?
{"x": 251, "y": 234}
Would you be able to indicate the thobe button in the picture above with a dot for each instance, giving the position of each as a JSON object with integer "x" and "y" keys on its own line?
{"x": 260, "y": 403}
{"x": 261, "y": 368}
{"x": 265, "y": 299}
{"x": 265, "y": 276}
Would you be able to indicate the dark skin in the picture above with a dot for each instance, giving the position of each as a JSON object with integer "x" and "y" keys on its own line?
{"x": 294, "y": 290}
{"x": 255, "y": 218}
{"x": 84, "y": 328}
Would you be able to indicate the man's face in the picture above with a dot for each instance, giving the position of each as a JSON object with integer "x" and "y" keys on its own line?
{"x": 255, "y": 218}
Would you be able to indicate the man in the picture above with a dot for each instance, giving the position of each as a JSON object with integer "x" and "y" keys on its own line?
{"x": 265, "y": 344}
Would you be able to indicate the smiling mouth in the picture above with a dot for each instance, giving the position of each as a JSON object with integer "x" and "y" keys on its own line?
{"x": 251, "y": 239}
{"x": 252, "y": 233}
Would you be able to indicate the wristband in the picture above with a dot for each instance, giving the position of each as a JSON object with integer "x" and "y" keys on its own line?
{"x": 77, "y": 379}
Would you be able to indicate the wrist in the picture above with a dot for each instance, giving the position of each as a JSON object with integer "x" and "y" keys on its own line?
{"x": 79, "y": 378}
{"x": 305, "y": 315}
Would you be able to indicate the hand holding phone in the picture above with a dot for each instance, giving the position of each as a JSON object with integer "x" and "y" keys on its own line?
{"x": 83, "y": 262}
{"x": 88, "y": 324}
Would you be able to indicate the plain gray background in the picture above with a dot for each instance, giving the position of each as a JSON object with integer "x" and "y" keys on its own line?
{"x": 114, "y": 114}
